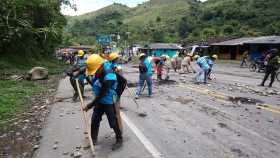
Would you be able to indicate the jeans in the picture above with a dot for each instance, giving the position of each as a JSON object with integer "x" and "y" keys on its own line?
{"x": 244, "y": 61}
{"x": 149, "y": 81}
{"x": 201, "y": 77}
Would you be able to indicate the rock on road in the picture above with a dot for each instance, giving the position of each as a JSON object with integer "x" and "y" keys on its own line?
{"x": 183, "y": 120}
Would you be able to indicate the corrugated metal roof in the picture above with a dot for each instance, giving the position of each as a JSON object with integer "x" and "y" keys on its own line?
{"x": 265, "y": 40}
{"x": 164, "y": 46}
{"x": 234, "y": 42}
{"x": 250, "y": 40}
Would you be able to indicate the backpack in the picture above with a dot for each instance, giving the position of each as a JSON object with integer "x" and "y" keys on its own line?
{"x": 122, "y": 83}
{"x": 142, "y": 68}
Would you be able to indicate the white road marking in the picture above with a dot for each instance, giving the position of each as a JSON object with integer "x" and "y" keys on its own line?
{"x": 144, "y": 140}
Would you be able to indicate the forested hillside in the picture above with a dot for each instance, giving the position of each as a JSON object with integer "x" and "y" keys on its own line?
{"x": 177, "y": 21}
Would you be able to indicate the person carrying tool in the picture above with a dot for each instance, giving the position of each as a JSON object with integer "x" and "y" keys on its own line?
{"x": 113, "y": 58}
{"x": 202, "y": 62}
{"x": 273, "y": 64}
{"x": 211, "y": 60}
{"x": 105, "y": 89}
{"x": 145, "y": 75}
{"x": 78, "y": 72}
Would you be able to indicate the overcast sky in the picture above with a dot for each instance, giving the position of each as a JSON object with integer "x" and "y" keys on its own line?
{"x": 85, "y": 6}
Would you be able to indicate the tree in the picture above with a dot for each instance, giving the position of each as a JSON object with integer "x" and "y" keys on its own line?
{"x": 31, "y": 26}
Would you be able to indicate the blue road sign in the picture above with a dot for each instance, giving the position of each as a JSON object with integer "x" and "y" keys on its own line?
{"x": 104, "y": 39}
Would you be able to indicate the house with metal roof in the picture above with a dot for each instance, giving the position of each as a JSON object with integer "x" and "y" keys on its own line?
{"x": 159, "y": 49}
{"x": 256, "y": 46}
{"x": 259, "y": 46}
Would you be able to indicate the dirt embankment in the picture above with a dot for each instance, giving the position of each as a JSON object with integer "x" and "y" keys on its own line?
{"x": 19, "y": 136}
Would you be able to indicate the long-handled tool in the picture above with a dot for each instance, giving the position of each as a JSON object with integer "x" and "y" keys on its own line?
{"x": 144, "y": 86}
{"x": 131, "y": 94}
{"x": 140, "y": 114}
{"x": 118, "y": 114}
{"x": 85, "y": 119}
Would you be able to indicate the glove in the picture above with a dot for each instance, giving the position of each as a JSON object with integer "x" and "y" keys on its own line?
{"x": 90, "y": 105}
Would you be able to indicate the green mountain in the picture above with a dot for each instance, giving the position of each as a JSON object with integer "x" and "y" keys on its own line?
{"x": 177, "y": 21}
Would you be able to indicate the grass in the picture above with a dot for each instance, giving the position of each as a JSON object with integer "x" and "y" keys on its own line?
{"x": 22, "y": 64}
{"x": 13, "y": 96}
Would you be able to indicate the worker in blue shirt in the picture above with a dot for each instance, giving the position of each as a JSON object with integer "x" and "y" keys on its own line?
{"x": 205, "y": 63}
{"x": 211, "y": 60}
{"x": 105, "y": 96}
{"x": 78, "y": 72}
{"x": 201, "y": 77}
{"x": 145, "y": 75}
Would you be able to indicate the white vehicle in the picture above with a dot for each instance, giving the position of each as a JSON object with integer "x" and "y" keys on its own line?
{"x": 198, "y": 50}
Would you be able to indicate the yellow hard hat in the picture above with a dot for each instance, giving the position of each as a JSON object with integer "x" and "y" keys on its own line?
{"x": 93, "y": 62}
{"x": 81, "y": 53}
{"x": 196, "y": 57}
{"x": 215, "y": 56}
{"x": 142, "y": 55}
{"x": 113, "y": 56}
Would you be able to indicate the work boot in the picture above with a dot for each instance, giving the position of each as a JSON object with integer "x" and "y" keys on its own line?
{"x": 262, "y": 85}
{"x": 118, "y": 144}
{"x": 94, "y": 135}
{"x": 75, "y": 97}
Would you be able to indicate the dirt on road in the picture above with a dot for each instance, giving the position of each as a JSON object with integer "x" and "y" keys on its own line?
{"x": 231, "y": 117}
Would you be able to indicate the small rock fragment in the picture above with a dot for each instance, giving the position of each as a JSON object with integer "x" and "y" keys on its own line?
{"x": 78, "y": 148}
{"x": 35, "y": 147}
{"x": 86, "y": 147}
{"x": 77, "y": 155}
{"x": 65, "y": 153}
{"x": 18, "y": 134}
{"x": 55, "y": 147}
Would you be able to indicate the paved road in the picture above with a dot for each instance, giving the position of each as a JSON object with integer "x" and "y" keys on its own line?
{"x": 183, "y": 120}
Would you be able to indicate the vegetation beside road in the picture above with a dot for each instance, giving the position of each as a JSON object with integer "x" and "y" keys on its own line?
{"x": 14, "y": 95}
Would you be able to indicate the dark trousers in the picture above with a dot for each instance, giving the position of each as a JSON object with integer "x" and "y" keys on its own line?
{"x": 110, "y": 112}
{"x": 244, "y": 61}
{"x": 270, "y": 70}
{"x": 73, "y": 83}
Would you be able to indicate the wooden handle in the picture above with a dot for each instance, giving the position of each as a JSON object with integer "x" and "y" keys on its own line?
{"x": 85, "y": 118}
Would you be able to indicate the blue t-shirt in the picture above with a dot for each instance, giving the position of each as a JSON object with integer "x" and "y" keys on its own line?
{"x": 203, "y": 64}
{"x": 148, "y": 65}
{"x": 108, "y": 99}
{"x": 81, "y": 62}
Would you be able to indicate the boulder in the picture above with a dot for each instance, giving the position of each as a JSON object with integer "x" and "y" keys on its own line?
{"x": 37, "y": 73}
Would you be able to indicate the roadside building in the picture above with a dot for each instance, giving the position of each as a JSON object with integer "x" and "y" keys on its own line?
{"x": 81, "y": 47}
{"x": 159, "y": 49}
{"x": 260, "y": 45}
{"x": 234, "y": 49}
{"x": 231, "y": 49}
